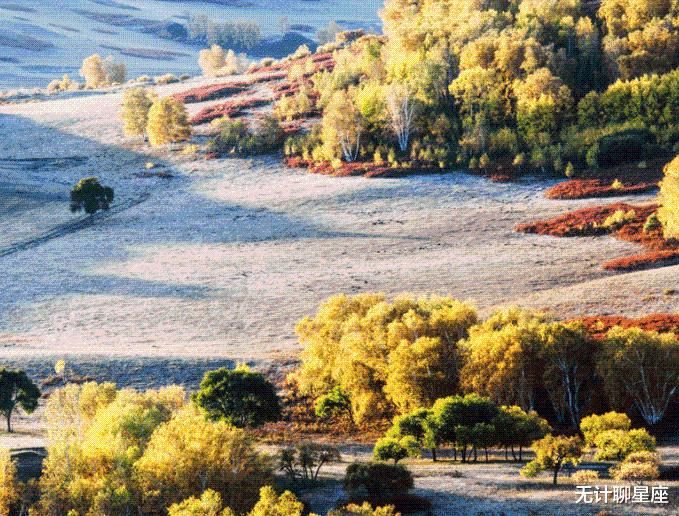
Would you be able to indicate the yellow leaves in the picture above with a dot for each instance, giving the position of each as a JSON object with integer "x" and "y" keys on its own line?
{"x": 271, "y": 504}
{"x": 668, "y": 198}
{"x": 135, "y": 110}
{"x": 363, "y": 343}
{"x": 9, "y": 492}
{"x": 189, "y": 452}
{"x": 168, "y": 122}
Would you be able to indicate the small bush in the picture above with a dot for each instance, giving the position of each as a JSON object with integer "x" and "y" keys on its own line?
{"x": 637, "y": 467}
{"x": 89, "y": 195}
{"x": 592, "y": 426}
{"x": 618, "y": 444}
{"x": 63, "y": 84}
{"x": 652, "y": 223}
{"x": 168, "y": 78}
{"x": 585, "y": 476}
{"x": 618, "y": 219}
{"x": 236, "y": 138}
{"x": 378, "y": 479}
{"x": 216, "y": 62}
{"x": 334, "y": 403}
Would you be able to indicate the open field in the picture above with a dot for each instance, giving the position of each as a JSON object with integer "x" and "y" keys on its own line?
{"x": 223, "y": 258}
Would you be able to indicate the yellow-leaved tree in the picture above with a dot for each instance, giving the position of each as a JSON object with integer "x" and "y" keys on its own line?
{"x": 386, "y": 356}
{"x": 168, "y": 122}
{"x": 668, "y": 199}
{"x": 189, "y": 454}
{"x": 135, "y": 110}
{"x": 9, "y": 491}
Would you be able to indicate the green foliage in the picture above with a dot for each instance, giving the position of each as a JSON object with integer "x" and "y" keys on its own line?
{"x": 17, "y": 390}
{"x": 552, "y": 453}
{"x": 378, "y": 479}
{"x": 235, "y": 137}
{"x": 391, "y": 448}
{"x": 88, "y": 194}
{"x": 241, "y": 397}
{"x": 592, "y": 426}
{"x": 617, "y": 444}
{"x": 240, "y": 35}
{"x": 652, "y": 223}
{"x": 335, "y": 402}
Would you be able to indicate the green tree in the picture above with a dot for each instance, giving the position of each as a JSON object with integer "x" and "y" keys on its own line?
{"x": 17, "y": 390}
{"x": 391, "y": 448}
{"x": 552, "y": 453}
{"x": 90, "y": 195}
{"x": 240, "y": 396}
{"x": 334, "y": 403}
{"x": 378, "y": 479}
{"x": 516, "y": 428}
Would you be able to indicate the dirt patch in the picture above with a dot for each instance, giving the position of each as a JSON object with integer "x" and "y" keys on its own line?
{"x": 230, "y": 109}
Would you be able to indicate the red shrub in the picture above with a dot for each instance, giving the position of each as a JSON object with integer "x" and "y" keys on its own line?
{"x": 585, "y": 188}
{"x": 212, "y": 92}
{"x": 584, "y": 222}
{"x": 231, "y": 108}
{"x": 663, "y": 323}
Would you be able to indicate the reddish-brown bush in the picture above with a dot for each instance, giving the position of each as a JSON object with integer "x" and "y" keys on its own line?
{"x": 600, "y": 183}
{"x": 231, "y": 109}
{"x": 212, "y": 92}
{"x": 588, "y": 221}
{"x": 598, "y": 326}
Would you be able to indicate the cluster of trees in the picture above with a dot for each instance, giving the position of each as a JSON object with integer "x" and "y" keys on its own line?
{"x": 116, "y": 451}
{"x": 239, "y": 35}
{"x": 161, "y": 120}
{"x": 216, "y": 62}
{"x": 237, "y": 137}
{"x": 99, "y": 72}
{"x": 469, "y": 424}
{"x": 395, "y": 357}
{"x": 510, "y": 82}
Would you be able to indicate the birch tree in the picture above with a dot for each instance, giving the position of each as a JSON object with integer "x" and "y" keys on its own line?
{"x": 641, "y": 367}
{"x": 342, "y": 126}
{"x": 401, "y": 107}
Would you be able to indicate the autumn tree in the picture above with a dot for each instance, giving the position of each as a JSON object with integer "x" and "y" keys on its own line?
{"x": 272, "y": 504}
{"x": 552, "y": 453}
{"x": 168, "y": 122}
{"x": 570, "y": 364}
{"x": 190, "y": 454}
{"x": 641, "y": 367}
{"x": 401, "y": 106}
{"x": 342, "y": 127}
{"x": 9, "y": 487}
{"x": 17, "y": 391}
{"x": 99, "y": 72}
{"x": 216, "y": 62}
{"x": 241, "y": 397}
{"x": 668, "y": 212}
{"x": 502, "y": 358}
{"x": 209, "y": 504}
{"x": 592, "y": 426}
{"x": 352, "y": 343}
{"x": 135, "y": 111}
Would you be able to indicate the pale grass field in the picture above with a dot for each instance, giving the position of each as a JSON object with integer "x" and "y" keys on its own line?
{"x": 216, "y": 264}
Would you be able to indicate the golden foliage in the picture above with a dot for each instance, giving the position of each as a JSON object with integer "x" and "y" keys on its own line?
{"x": 668, "y": 213}
{"x": 168, "y": 122}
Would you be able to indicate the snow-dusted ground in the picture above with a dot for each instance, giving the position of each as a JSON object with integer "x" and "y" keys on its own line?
{"x": 43, "y": 39}
{"x": 220, "y": 261}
